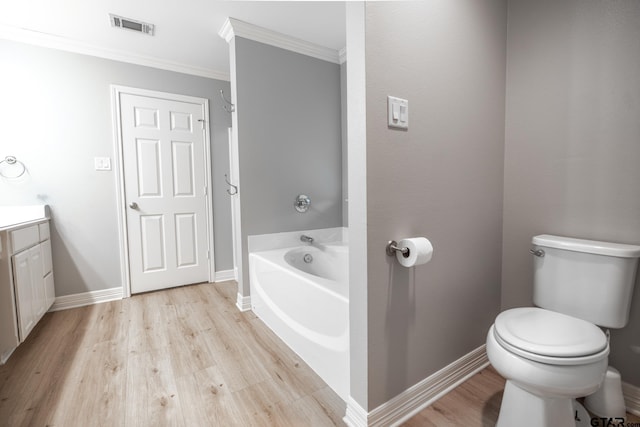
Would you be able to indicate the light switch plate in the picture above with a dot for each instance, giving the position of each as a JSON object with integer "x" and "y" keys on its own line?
{"x": 102, "y": 163}
{"x": 398, "y": 112}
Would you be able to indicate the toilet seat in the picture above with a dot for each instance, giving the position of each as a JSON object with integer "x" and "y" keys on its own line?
{"x": 550, "y": 337}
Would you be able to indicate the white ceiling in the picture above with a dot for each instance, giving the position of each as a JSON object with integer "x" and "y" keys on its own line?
{"x": 186, "y": 31}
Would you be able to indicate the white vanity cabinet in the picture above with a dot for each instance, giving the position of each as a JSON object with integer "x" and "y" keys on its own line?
{"x": 26, "y": 282}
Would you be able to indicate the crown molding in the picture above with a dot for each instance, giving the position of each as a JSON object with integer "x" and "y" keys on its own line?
{"x": 60, "y": 43}
{"x": 226, "y": 31}
{"x": 236, "y": 28}
{"x": 342, "y": 55}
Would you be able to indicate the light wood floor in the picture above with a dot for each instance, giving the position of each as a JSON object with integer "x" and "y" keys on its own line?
{"x": 476, "y": 403}
{"x": 182, "y": 357}
{"x": 187, "y": 357}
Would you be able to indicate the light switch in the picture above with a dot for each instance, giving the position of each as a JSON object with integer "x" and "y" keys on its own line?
{"x": 398, "y": 112}
{"x": 102, "y": 163}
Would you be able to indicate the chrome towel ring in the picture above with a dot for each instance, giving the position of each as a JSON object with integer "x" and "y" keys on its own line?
{"x": 12, "y": 168}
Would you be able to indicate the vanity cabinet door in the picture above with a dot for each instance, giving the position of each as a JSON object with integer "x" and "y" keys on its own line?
{"x": 47, "y": 265}
{"x": 47, "y": 270}
{"x": 24, "y": 293}
{"x": 37, "y": 282}
{"x": 29, "y": 285}
{"x": 49, "y": 291}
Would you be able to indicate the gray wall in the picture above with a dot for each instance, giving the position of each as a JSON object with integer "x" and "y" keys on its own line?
{"x": 289, "y": 138}
{"x": 56, "y": 117}
{"x": 441, "y": 179}
{"x": 572, "y": 158}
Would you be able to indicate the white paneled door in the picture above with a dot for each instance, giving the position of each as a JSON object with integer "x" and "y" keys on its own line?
{"x": 165, "y": 191}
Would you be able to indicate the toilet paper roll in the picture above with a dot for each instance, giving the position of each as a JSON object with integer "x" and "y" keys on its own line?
{"x": 420, "y": 251}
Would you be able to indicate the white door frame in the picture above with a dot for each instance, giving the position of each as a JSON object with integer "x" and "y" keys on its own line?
{"x": 116, "y": 91}
{"x": 235, "y": 205}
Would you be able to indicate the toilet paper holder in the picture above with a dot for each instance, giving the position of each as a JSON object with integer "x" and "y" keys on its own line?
{"x": 392, "y": 248}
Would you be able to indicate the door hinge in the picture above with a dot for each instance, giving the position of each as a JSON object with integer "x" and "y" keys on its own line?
{"x": 208, "y": 254}
{"x": 202, "y": 123}
{"x": 206, "y": 190}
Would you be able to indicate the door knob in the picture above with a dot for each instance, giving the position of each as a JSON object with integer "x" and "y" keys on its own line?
{"x": 133, "y": 205}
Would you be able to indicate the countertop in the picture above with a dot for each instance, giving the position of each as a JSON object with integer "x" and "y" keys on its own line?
{"x": 18, "y": 216}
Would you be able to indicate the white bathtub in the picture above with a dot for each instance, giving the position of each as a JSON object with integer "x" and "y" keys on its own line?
{"x": 307, "y": 305}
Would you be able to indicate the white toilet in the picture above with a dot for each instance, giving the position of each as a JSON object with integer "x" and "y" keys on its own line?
{"x": 552, "y": 354}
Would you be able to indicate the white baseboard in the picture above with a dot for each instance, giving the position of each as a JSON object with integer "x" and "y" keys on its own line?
{"x": 224, "y": 275}
{"x": 631, "y": 398}
{"x": 356, "y": 415}
{"x": 5, "y": 356}
{"x": 86, "y": 298}
{"x": 416, "y": 398}
{"x": 243, "y": 303}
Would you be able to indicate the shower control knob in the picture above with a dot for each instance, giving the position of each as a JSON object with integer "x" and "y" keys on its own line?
{"x": 302, "y": 203}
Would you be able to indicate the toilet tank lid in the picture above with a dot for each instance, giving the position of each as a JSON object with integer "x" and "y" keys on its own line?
{"x": 589, "y": 246}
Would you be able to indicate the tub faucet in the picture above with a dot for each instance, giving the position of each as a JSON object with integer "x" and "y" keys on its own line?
{"x": 305, "y": 238}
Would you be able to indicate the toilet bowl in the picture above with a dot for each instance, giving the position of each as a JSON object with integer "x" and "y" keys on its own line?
{"x": 548, "y": 359}
{"x": 554, "y": 352}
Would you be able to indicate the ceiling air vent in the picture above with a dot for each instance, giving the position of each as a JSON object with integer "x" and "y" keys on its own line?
{"x": 131, "y": 24}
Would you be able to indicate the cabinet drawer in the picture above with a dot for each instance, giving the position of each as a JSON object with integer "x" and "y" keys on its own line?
{"x": 44, "y": 231}
{"x": 24, "y": 238}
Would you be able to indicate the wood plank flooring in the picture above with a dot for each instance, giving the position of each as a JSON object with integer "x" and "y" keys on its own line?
{"x": 187, "y": 357}
{"x": 181, "y": 357}
{"x": 475, "y": 403}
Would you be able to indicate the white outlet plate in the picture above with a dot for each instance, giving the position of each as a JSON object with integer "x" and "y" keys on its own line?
{"x": 102, "y": 163}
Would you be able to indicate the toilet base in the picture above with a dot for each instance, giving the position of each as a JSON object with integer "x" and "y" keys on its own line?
{"x": 608, "y": 400}
{"x": 519, "y": 407}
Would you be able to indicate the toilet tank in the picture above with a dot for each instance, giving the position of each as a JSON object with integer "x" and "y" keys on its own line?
{"x": 587, "y": 279}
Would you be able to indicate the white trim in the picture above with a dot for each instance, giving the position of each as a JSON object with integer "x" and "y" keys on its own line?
{"x": 208, "y": 171}
{"x": 235, "y": 28}
{"x": 234, "y": 170}
{"x": 356, "y": 415}
{"x": 116, "y": 91}
{"x": 51, "y": 41}
{"x": 5, "y": 356}
{"x": 224, "y": 275}
{"x": 234, "y": 173}
{"x": 86, "y": 298}
{"x": 226, "y": 31}
{"x": 414, "y": 399}
{"x": 342, "y": 55}
{"x": 243, "y": 303}
{"x": 631, "y": 398}
{"x": 357, "y": 194}
{"x": 120, "y": 199}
